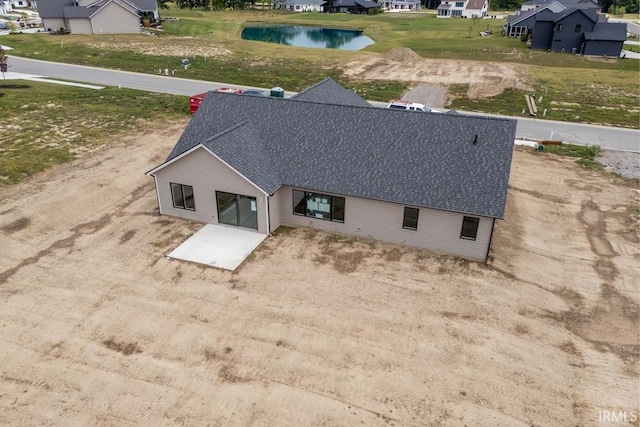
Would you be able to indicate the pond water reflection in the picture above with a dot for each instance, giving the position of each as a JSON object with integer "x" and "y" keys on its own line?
{"x": 325, "y": 38}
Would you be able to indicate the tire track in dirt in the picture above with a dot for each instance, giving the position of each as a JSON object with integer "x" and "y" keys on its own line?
{"x": 89, "y": 227}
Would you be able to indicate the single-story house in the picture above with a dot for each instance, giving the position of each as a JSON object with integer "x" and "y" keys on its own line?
{"x": 350, "y": 6}
{"x": 464, "y": 8}
{"x": 401, "y": 5}
{"x": 97, "y": 16}
{"x": 299, "y": 5}
{"x": 327, "y": 159}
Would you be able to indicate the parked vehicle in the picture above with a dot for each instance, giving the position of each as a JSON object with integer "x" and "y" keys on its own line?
{"x": 410, "y": 106}
{"x": 255, "y": 92}
{"x": 195, "y": 101}
{"x": 229, "y": 90}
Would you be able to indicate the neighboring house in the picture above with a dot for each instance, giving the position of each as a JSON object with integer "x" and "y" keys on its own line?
{"x": 574, "y": 26}
{"x": 5, "y": 6}
{"x": 299, "y": 5}
{"x": 523, "y": 21}
{"x": 23, "y": 4}
{"x": 535, "y": 4}
{"x": 401, "y": 5}
{"x": 463, "y": 9}
{"x": 96, "y": 16}
{"x": 350, "y": 6}
{"x": 327, "y": 159}
{"x": 567, "y": 32}
{"x": 605, "y": 39}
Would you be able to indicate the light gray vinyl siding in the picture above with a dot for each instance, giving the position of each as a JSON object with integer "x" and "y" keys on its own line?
{"x": 53, "y": 23}
{"x": 115, "y": 19}
{"x": 80, "y": 26}
{"x": 275, "y": 211}
{"x": 206, "y": 174}
{"x": 437, "y": 230}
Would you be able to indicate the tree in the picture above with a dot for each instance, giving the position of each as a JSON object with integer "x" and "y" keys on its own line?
{"x": 162, "y": 4}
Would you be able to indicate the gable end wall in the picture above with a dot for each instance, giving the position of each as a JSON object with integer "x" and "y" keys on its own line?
{"x": 115, "y": 20}
{"x": 206, "y": 174}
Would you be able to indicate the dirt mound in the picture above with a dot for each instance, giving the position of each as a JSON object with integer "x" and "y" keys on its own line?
{"x": 402, "y": 54}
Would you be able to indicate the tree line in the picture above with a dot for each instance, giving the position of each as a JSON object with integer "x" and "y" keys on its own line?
{"x": 608, "y": 6}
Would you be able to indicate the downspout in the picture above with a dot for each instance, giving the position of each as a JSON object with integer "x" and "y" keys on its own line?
{"x": 268, "y": 215}
{"x": 493, "y": 226}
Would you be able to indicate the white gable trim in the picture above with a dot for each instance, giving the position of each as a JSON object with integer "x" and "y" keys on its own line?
{"x": 191, "y": 150}
{"x": 116, "y": 3}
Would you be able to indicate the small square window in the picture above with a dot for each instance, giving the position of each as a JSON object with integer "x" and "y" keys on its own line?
{"x": 469, "y": 228}
{"x": 410, "y": 221}
{"x": 578, "y": 28}
{"x": 558, "y": 27}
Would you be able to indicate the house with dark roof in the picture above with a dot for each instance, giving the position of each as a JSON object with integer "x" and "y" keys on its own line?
{"x": 573, "y": 26}
{"x": 351, "y": 6}
{"x": 427, "y": 180}
{"x": 96, "y": 16}
{"x": 567, "y": 31}
{"x": 523, "y": 21}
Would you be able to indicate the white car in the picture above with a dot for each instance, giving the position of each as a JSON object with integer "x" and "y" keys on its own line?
{"x": 411, "y": 106}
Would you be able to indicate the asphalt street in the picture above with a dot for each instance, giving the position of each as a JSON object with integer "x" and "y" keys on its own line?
{"x": 539, "y": 129}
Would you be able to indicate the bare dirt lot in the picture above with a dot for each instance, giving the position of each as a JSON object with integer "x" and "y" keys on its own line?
{"x": 485, "y": 79}
{"x": 97, "y": 326}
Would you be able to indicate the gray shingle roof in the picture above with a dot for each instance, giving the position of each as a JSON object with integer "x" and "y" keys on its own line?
{"x": 242, "y": 147}
{"x": 145, "y": 5}
{"x": 475, "y": 5}
{"x": 327, "y": 91}
{"x": 419, "y": 159}
{"x": 616, "y": 32}
{"x": 72, "y": 12}
{"x": 53, "y": 8}
{"x": 68, "y": 9}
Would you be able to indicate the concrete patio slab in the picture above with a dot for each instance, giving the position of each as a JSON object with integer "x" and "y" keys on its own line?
{"x": 219, "y": 246}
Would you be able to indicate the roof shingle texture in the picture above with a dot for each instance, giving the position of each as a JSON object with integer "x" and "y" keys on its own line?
{"x": 328, "y": 91}
{"x": 413, "y": 158}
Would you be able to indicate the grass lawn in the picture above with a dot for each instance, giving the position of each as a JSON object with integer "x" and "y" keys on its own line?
{"x": 575, "y": 88}
{"x": 46, "y": 124}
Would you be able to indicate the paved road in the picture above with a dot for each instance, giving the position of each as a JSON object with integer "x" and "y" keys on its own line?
{"x": 607, "y": 137}
{"x": 632, "y": 26}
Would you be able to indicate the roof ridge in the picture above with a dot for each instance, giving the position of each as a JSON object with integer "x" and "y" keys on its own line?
{"x": 224, "y": 132}
{"x": 307, "y": 89}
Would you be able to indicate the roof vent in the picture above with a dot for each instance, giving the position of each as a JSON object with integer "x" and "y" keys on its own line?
{"x": 475, "y": 140}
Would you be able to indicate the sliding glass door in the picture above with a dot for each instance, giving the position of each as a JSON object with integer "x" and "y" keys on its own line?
{"x": 238, "y": 210}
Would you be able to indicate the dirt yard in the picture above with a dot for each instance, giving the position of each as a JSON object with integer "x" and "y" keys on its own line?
{"x": 98, "y": 327}
{"x": 485, "y": 79}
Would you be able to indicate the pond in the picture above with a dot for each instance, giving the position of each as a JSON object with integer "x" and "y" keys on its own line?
{"x": 324, "y": 38}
